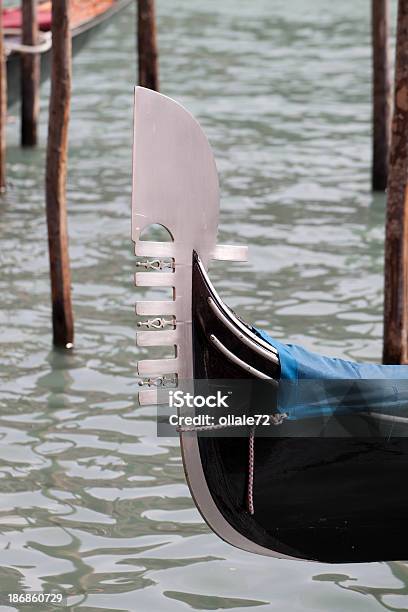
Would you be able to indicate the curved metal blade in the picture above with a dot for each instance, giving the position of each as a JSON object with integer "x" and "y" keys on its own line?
{"x": 175, "y": 181}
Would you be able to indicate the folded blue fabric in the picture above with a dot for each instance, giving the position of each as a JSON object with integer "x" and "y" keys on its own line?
{"x": 314, "y": 385}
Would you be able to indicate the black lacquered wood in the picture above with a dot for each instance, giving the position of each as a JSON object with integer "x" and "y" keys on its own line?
{"x": 333, "y": 499}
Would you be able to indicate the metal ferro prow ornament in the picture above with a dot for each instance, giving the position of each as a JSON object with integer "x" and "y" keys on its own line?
{"x": 175, "y": 185}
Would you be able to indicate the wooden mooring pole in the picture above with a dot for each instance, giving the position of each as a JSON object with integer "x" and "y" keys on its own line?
{"x": 147, "y": 45}
{"x": 382, "y": 96}
{"x": 396, "y": 239}
{"x": 30, "y": 76}
{"x": 3, "y": 104}
{"x": 56, "y": 173}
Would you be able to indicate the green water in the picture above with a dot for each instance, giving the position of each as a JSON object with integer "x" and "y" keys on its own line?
{"x": 90, "y": 499}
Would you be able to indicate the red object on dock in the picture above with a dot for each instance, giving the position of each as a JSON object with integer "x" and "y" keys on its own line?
{"x": 12, "y": 18}
{"x": 81, "y": 11}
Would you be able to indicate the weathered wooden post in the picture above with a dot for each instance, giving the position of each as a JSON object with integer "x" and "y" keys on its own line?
{"x": 30, "y": 75}
{"x": 147, "y": 45}
{"x": 56, "y": 173}
{"x": 396, "y": 239}
{"x": 382, "y": 97}
{"x": 3, "y": 104}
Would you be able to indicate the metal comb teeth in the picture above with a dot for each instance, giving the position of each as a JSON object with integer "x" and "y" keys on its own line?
{"x": 160, "y": 382}
{"x": 149, "y": 397}
{"x": 157, "y": 338}
{"x": 156, "y": 264}
{"x": 161, "y": 274}
{"x": 155, "y": 279}
{"x": 156, "y": 323}
{"x": 147, "y": 309}
{"x": 158, "y": 367}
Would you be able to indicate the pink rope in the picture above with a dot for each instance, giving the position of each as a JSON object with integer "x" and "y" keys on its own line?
{"x": 251, "y": 464}
{"x": 276, "y": 419}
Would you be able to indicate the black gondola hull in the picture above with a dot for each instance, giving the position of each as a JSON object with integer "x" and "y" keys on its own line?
{"x": 336, "y": 499}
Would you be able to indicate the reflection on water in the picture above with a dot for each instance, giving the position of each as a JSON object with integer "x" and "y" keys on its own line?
{"x": 390, "y": 598}
{"x": 91, "y": 500}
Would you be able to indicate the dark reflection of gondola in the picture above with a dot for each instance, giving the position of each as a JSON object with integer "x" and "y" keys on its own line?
{"x": 398, "y": 569}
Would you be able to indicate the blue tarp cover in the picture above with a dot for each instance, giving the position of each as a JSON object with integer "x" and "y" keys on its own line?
{"x": 314, "y": 385}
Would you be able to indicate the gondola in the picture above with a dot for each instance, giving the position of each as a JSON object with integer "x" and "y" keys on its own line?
{"x": 83, "y": 28}
{"x": 325, "y": 480}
